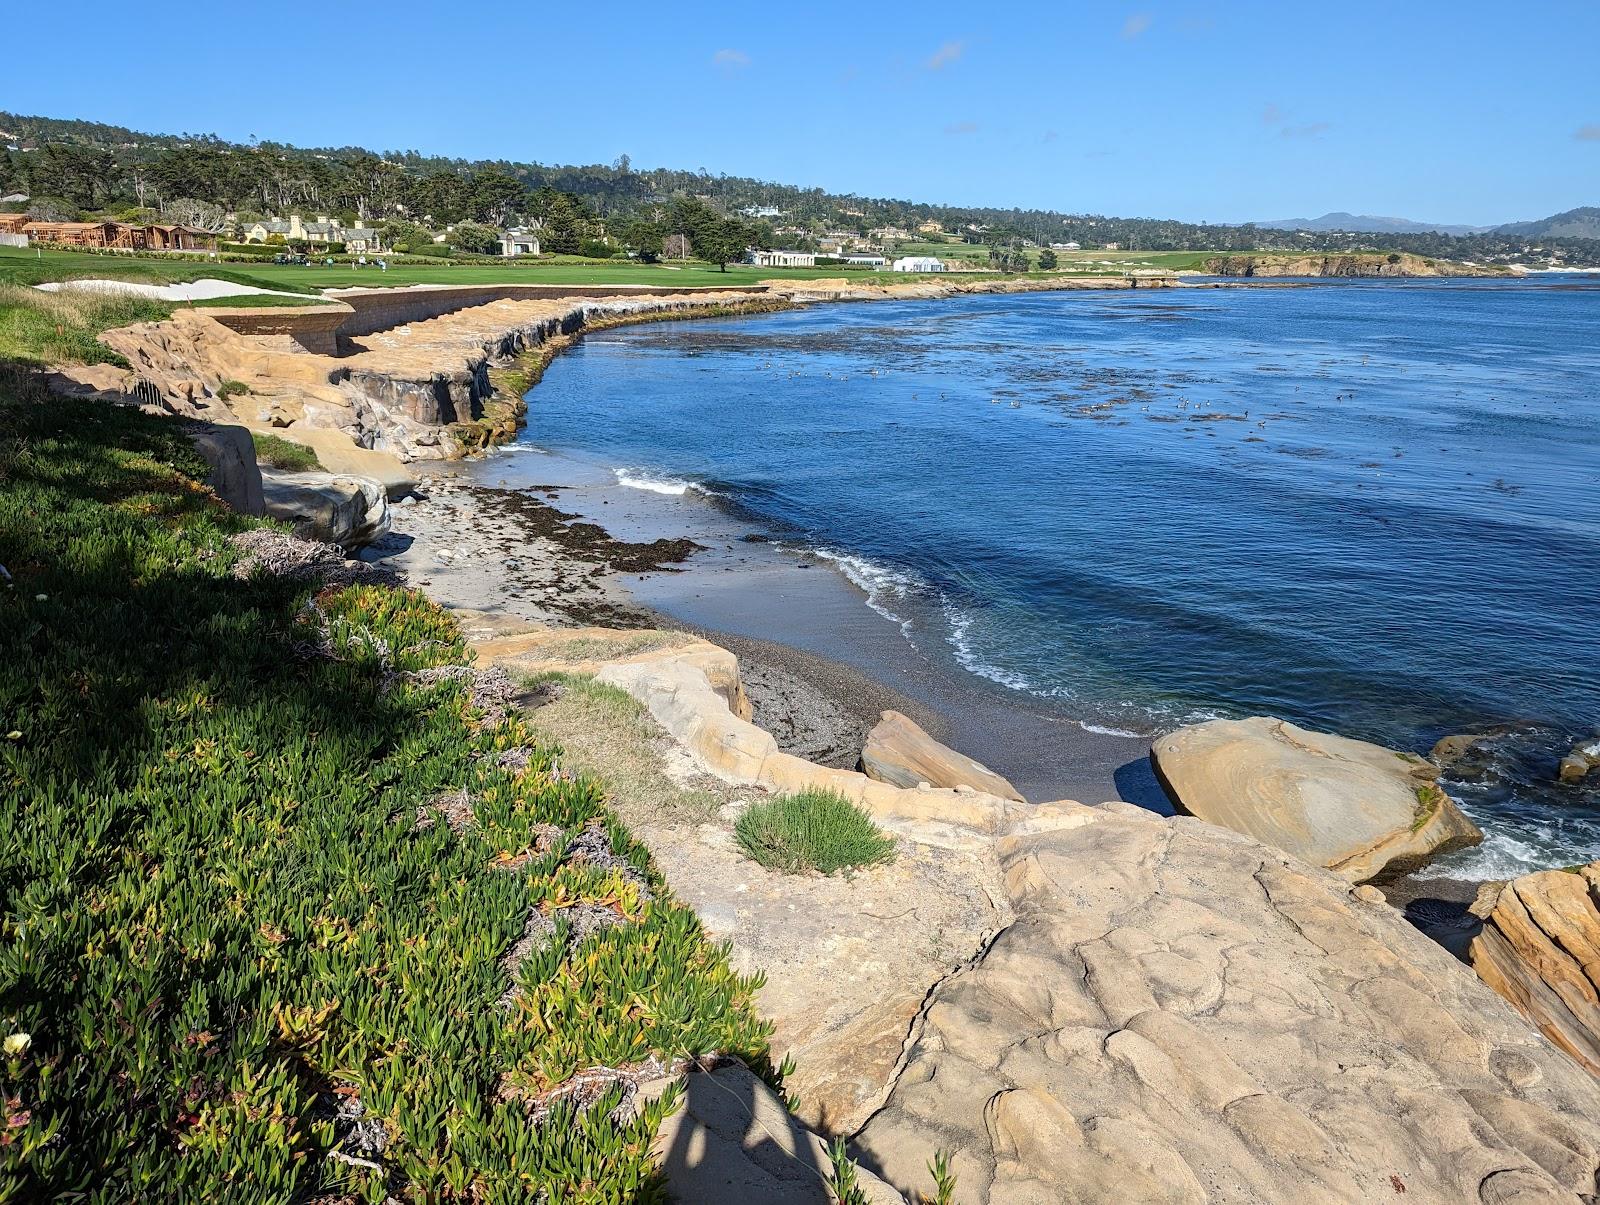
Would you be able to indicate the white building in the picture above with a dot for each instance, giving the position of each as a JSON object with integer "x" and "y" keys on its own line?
{"x": 519, "y": 242}
{"x": 918, "y": 263}
{"x": 782, "y": 259}
{"x": 762, "y": 211}
{"x": 866, "y": 261}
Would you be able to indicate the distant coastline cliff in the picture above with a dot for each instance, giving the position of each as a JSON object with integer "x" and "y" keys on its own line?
{"x": 1394, "y": 264}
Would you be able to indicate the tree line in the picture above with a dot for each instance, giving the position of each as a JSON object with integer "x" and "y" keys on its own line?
{"x": 93, "y": 166}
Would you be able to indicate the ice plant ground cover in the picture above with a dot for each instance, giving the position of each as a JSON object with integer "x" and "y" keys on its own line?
{"x": 250, "y": 958}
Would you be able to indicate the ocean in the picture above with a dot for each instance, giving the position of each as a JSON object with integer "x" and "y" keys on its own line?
{"x": 1370, "y": 507}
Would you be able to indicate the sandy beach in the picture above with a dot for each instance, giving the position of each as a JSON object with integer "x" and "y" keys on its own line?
{"x": 578, "y": 547}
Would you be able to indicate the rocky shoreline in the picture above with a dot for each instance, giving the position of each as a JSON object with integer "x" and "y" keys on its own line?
{"x": 1072, "y": 1002}
{"x": 1097, "y": 1001}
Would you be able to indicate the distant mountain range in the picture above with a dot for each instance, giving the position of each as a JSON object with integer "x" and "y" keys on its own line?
{"x": 1574, "y": 223}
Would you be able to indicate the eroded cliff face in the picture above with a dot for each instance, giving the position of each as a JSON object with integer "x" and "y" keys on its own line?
{"x": 421, "y": 392}
{"x": 1392, "y": 265}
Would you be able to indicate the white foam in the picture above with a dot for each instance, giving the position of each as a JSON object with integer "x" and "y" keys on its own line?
{"x": 638, "y": 480}
{"x": 881, "y": 584}
{"x": 1104, "y": 730}
{"x": 960, "y": 640}
{"x": 1506, "y": 855}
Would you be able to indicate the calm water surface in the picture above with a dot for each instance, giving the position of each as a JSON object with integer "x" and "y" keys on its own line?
{"x": 1372, "y": 508}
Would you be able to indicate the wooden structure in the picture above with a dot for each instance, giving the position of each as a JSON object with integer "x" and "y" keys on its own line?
{"x": 119, "y": 236}
{"x": 179, "y": 238}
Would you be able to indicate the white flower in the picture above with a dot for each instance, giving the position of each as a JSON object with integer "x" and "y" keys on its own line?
{"x": 41, "y": 598}
{"x": 17, "y": 1044}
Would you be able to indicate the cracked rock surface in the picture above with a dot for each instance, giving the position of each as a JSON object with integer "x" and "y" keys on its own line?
{"x": 1180, "y": 1013}
{"x": 1540, "y": 949}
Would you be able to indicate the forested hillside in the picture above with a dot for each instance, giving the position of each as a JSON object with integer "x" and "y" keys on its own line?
{"x": 91, "y": 166}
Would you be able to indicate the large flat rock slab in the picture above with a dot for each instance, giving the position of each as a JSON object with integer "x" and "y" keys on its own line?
{"x": 732, "y": 1142}
{"x": 1358, "y": 809}
{"x": 1180, "y": 1013}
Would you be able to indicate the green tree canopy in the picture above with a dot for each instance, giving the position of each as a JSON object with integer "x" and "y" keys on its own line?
{"x": 644, "y": 239}
{"x": 722, "y": 242}
{"x": 563, "y": 226}
{"x": 475, "y": 236}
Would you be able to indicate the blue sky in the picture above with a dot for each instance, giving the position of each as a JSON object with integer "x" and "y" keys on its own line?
{"x": 1215, "y": 110}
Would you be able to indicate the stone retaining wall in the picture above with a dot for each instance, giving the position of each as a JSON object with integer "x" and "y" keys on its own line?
{"x": 325, "y": 326}
{"x": 315, "y": 327}
{"x": 384, "y": 309}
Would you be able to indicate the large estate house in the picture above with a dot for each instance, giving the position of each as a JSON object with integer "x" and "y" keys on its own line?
{"x": 356, "y": 239}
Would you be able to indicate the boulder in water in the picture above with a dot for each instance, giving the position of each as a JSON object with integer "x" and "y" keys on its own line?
{"x": 1585, "y": 756}
{"x": 1358, "y": 809}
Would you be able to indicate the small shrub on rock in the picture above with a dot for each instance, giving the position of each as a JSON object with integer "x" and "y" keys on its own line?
{"x": 812, "y": 830}
{"x": 279, "y": 453}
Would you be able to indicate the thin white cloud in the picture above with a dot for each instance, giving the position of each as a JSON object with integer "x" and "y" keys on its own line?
{"x": 945, "y": 55}
{"x": 1588, "y": 133}
{"x": 1275, "y": 118}
{"x": 731, "y": 60}
{"x": 958, "y": 128}
{"x": 1136, "y": 25}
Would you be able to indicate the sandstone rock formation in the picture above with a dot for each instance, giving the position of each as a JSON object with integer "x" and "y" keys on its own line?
{"x": 348, "y": 511}
{"x": 1359, "y": 809}
{"x": 235, "y": 477}
{"x": 1540, "y": 949}
{"x": 1179, "y": 1013}
{"x": 898, "y": 751}
{"x": 1169, "y": 1011}
{"x": 876, "y": 939}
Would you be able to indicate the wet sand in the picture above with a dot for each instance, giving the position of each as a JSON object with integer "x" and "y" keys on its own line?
{"x": 557, "y": 540}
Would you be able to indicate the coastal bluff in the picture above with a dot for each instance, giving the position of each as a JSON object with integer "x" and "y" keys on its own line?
{"x": 1143, "y": 1008}
{"x": 1394, "y": 265}
{"x": 411, "y": 371}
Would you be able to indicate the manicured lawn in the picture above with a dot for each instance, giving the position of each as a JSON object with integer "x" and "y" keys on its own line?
{"x": 1094, "y": 263}
{"x": 285, "y": 912}
{"x": 32, "y": 266}
{"x": 35, "y": 265}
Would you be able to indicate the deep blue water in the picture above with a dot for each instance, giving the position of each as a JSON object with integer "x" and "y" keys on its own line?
{"x": 1372, "y": 508}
